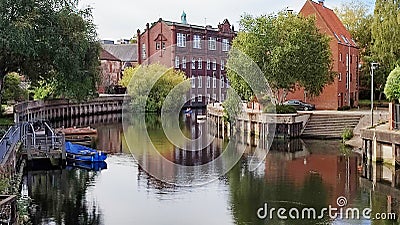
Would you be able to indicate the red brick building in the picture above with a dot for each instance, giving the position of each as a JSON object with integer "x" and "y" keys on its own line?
{"x": 344, "y": 89}
{"x": 199, "y": 51}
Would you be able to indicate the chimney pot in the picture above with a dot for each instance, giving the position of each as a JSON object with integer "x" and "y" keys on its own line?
{"x": 321, "y": 2}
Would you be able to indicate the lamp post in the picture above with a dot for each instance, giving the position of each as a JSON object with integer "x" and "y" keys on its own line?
{"x": 374, "y": 65}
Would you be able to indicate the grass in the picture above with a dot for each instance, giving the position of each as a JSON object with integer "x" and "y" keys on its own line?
{"x": 6, "y": 121}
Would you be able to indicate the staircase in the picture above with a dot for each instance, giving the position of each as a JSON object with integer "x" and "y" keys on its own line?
{"x": 329, "y": 126}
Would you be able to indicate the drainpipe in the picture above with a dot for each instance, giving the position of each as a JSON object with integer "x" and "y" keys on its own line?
{"x": 349, "y": 77}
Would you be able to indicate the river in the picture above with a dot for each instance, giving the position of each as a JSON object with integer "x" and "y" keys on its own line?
{"x": 295, "y": 174}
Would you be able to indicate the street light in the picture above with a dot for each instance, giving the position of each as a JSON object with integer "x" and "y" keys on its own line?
{"x": 374, "y": 65}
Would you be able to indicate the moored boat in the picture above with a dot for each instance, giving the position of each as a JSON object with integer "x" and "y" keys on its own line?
{"x": 82, "y": 153}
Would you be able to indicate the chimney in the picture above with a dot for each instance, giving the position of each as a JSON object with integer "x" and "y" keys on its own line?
{"x": 321, "y": 2}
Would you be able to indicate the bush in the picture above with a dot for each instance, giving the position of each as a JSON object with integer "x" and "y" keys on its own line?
{"x": 280, "y": 109}
{"x": 344, "y": 108}
{"x": 392, "y": 87}
{"x": 347, "y": 134}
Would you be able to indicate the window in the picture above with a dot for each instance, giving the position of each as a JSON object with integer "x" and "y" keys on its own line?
{"x": 212, "y": 43}
{"x": 192, "y": 82}
{"x": 222, "y": 82}
{"x": 340, "y": 76}
{"x": 200, "y": 98}
{"x": 208, "y": 97}
{"x": 158, "y": 45}
{"x": 181, "y": 40}
{"x": 200, "y": 62}
{"x": 193, "y": 98}
{"x": 222, "y": 97}
{"x": 193, "y": 63}
{"x": 347, "y": 60}
{"x": 208, "y": 81}
{"x": 214, "y": 97}
{"x": 184, "y": 62}
{"x": 163, "y": 45}
{"x": 214, "y": 64}
{"x": 225, "y": 45}
{"x": 227, "y": 83}
{"x": 176, "y": 61}
{"x": 143, "y": 51}
{"x": 196, "y": 41}
{"x": 208, "y": 64}
{"x": 200, "y": 81}
{"x": 214, "y": 82}
{"x": 222, "y": 64}
{"x": 340, "y": 57}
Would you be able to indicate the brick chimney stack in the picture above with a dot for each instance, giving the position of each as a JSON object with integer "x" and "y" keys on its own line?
{"x": 321, "y": 2}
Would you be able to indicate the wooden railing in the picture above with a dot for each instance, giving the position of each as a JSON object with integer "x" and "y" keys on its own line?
{"x": 8, "y": 209}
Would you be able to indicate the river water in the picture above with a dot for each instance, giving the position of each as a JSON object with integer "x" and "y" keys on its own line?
{"x": 295, "y": 174}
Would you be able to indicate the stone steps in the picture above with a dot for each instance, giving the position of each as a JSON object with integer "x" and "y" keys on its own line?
{"x": 329, "y": 126}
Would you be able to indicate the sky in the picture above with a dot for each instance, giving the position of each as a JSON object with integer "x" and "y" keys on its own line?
{"x": 120, "y": 19}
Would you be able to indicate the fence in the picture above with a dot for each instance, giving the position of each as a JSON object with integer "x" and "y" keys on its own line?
{"x": 8, "y": 209}
{"x": 8, "y": 141}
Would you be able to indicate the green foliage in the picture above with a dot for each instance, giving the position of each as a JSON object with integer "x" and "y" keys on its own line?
{"x": 142, "y": 80}
{"x": 385, "y": 38}
{"x": 232, "y": 106}
{"x": 392, "y": 87}
{"x": 280, "y": 109}
{"x": 53, "y": 40}
{"x": 12, "y": 88}
{"x": 4, "y": 185}
{"x": 44, "y": 90}
{"x": 347, "y": 134}
{"x": 289, "y": 49}
{"x": 127, "y": 76}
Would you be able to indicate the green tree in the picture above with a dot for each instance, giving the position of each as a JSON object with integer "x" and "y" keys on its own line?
{"x": 385, "y": 39}
{"x": 13, "y": 89}
{"x": 290, "y": 51}
{"x": 50, "y": 39}
{"x": 392, "y": 87}
{"x": 149, "y": 91}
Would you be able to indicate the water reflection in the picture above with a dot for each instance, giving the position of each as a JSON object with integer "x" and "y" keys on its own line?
{"x": 296, "y": 173}
{"x": 60, "y": 197}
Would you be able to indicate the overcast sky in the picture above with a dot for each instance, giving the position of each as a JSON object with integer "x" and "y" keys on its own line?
{"x": 116, "y": 19}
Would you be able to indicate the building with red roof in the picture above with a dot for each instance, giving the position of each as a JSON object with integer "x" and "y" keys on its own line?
{"x": 343, "y": 91}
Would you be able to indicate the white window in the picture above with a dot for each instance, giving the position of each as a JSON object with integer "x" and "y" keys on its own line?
{"x": 214, "y": 97}
{"x": 196, "y": 41}
{"x": 193, "y": 98}
{"x": 200, "y": 81}
{"x": 212, "y": 43}
{"x": 222, "y": 64}
{"x": 184, "y": 62}
{"x": 143, "y": 51}
{"x": 208, "y": 97}
{"x": 347, "y": 60}
{"x": 208, "y": 64}
{"x": 208, "y": 81}
{"x": 225, "y": 45}
{"x": 222, "y": 82}
{"x": 340, "y": 77}
{"x": 193, "y": 63}
{"x": 200, "y": 98}
{"x": 200, "y": 64}
{"x": 158, "y": 45}
{"x": 222, "y": 97}
{"x": 214, "y": 64}
{"x": 163, "y": 45}
{"x": 181, "y": 40}
{"x": 340, "y": 57}
{"x": 214, "y": 82}
{"x": 176, "y": 61}
{"x": 227, "y": 83}
{"x": 192, "y": 81}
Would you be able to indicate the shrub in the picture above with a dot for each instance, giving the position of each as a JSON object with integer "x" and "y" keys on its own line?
{"x": 280, "y": 109}
{"x": 344, "y": 108}
{"x": 392, "y": 87}
{"x": 347, "y": 134}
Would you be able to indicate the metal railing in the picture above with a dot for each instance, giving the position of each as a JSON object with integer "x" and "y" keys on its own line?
{"x": 396, "y": 116}
{"x": 9, "y": 140}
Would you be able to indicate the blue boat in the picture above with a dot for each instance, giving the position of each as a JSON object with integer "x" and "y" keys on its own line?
{"x": 83, "y": 153}
{"x": 93, "y": 166}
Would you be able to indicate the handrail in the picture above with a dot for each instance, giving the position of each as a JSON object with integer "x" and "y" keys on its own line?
{"x": 52, "y": 134}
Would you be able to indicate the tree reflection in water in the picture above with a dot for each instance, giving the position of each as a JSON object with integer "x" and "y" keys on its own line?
{"x": 60, "y": 196}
